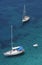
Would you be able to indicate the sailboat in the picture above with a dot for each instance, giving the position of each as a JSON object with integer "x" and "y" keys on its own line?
{"x": 25, "y": 17}
{"x": 14, "y": 50}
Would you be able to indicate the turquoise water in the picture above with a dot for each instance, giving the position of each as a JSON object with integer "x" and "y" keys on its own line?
{"x": 23, "y": 34}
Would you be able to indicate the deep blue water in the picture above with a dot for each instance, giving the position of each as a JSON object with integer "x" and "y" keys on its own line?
{"x": 11, "y": 12}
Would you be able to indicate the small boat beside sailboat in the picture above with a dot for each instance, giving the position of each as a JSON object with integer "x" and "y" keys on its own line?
{"x": 25, "y": 17}
{"x": 14, "y": 50}
{"x": 35, "y": 45}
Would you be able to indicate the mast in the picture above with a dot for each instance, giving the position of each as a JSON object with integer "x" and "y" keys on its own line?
{"x": 24, "y": 8}
{"x": 24, "y": 11}
{"x": 11, "y": 36}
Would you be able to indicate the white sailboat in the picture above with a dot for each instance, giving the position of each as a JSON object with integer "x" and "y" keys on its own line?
{"x": 14, "y": 50}
{"x": 25, "y": 17}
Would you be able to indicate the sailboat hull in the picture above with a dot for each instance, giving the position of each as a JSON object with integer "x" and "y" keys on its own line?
{"x": 25, "y": 19}
{"x": 14, "y": 52}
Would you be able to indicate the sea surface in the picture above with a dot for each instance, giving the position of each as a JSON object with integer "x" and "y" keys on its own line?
{"x": 11, "y": 12}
